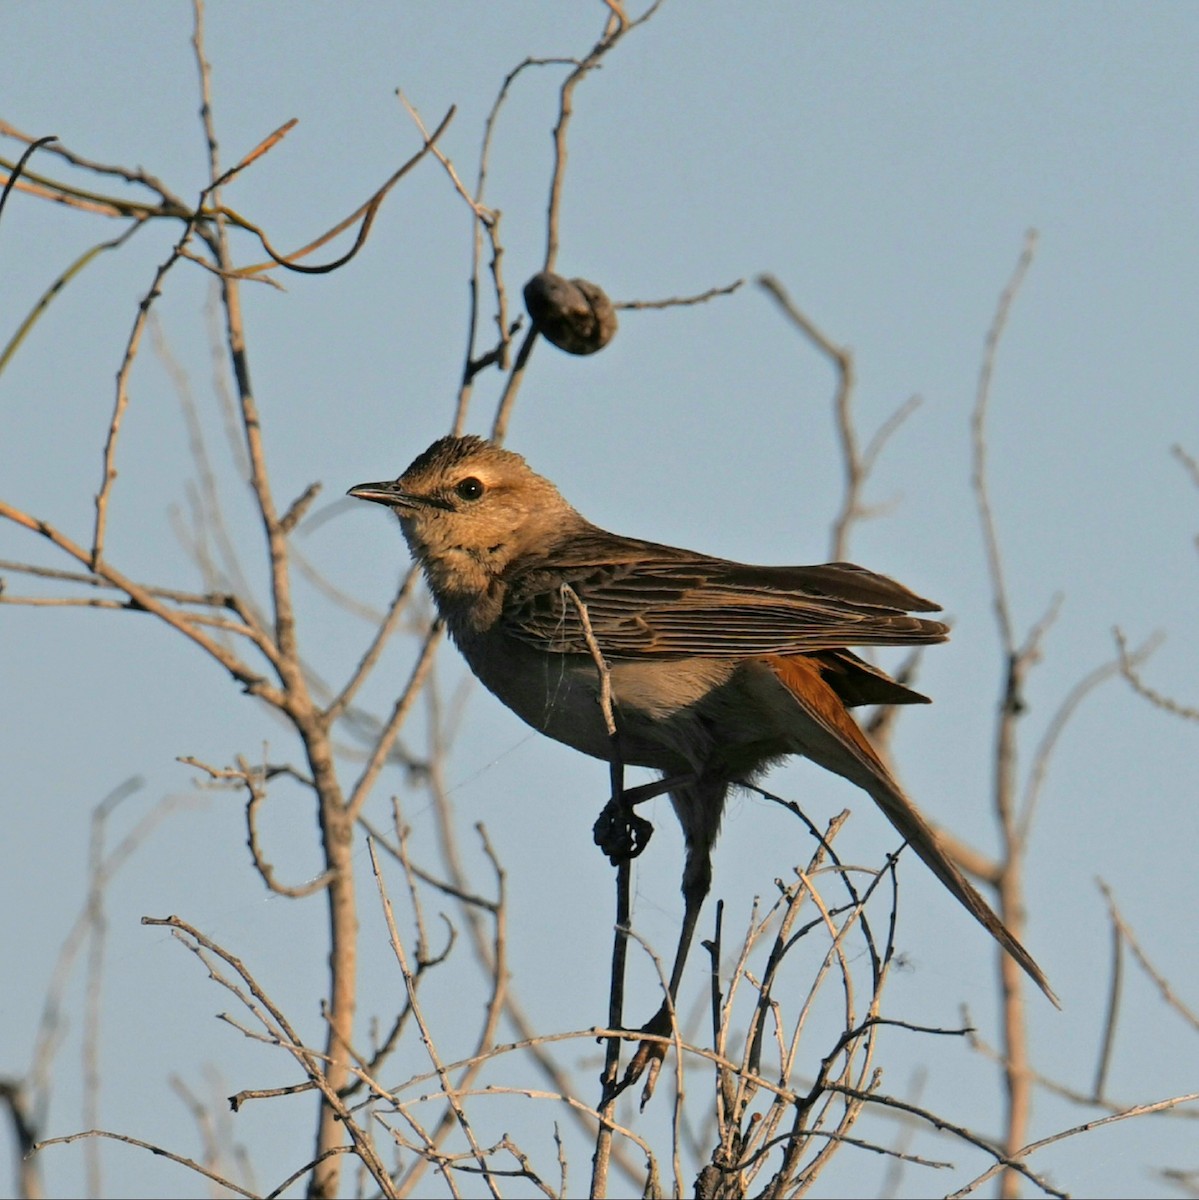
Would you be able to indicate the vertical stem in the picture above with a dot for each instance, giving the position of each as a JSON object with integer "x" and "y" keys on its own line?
{"x": 1011, "y": 908}
{"x": 620, "y": 945}
{"x": 337, "y": 839}
{"x": 336, "y": 823}
{"x": 1011, "y": 905}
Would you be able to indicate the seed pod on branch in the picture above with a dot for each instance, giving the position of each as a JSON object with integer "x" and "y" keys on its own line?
{"x": 574, "y": 314}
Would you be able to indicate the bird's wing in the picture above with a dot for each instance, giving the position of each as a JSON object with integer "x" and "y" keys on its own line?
{"x": 642, "y": 599}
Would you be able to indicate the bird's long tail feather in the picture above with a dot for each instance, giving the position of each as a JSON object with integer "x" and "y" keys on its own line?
{"x": 832, "y": 738}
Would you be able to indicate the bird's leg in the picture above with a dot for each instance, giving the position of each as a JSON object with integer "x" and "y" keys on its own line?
{"x": 618, "y": 831}
{"x": 697, "y": 879}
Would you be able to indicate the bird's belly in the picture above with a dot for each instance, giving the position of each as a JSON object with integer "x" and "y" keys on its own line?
{"x": 658, "y": 706}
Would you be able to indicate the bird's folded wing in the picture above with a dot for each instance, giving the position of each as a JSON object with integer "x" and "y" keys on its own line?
{"x": 694, "y": 605}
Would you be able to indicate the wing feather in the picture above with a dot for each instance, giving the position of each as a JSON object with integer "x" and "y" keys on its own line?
{"x": 643, "y": 599}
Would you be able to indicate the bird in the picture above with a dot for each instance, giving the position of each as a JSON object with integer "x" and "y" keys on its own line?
{"x": 716, "y": 669}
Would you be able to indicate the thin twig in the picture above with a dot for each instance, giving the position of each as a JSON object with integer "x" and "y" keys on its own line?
{"x": 371, "y": 655}
{"x": 56, "y": 288}
{"x": 420, "y": 671}
{"x": 856, "y": 463}
{"x": 15, "y": 174}
{"x": 978, "y": 429}
{"x": 136, "y": 175}
{"x": 1002, "y": 1160}
{"x": 505, "y": 328}
{"x": 1017, "y": 662}
{"x": 366, "y": 212}
{"x": 1129, "y": 669}
{"x": 448, "y": 1089}
{"x": 1161, "y": 982}
{"x": 268, "y": 143}
{"x": 1137, "y": 1110}
{"x": 272, "y": 1019}
{"x": 121, "y": 402}
{"x": 503, "y": 409}
{"x": 496, "y": 1004}
{"x": 680, "y": 301}
{"x": 1115, "y": 994}
{"x": 603, "y": 1145}
{"x": 145, "y": 598}
{"x": 158, "y": 1151}
{"x": 1053, "y": 731}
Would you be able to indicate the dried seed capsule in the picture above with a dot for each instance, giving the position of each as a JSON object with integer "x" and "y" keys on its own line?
{"x": 574, "y": 314}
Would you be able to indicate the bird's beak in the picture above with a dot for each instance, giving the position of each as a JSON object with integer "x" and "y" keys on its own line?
{"x": 389, "y": 493}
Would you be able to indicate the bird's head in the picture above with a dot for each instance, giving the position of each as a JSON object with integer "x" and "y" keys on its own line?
{"x": 468, "y": 507}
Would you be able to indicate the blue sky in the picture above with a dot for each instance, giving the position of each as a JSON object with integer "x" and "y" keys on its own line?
{"x": 885, "y": 164}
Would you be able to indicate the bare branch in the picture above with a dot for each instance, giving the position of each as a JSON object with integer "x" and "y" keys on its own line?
{"x": 503, "y": 411}
{"x": 680, "y": 301}
{"x": 615, "y": 29}
{"x": 960, "y": 1131}
{"x": 386, "y": 627}
{"x": 56, "y": 287}
{"x": 1137, "y": 1110}
{"x": 144, "y": 598}
{"x": 366, "y": 212}
{"x": 19, "y": 167}
{"x": 1049, "y": 740}
{"x": 122, "y": 389}
{"x": 399, "y": 713}
{"x": 158, "y": 1151}
{"x": 136, "y": 175}
{"x": 608, "y": 1080}
{"x": 851, "y": 457}
{"x": 271, "y": 1017}
{"x": 450, "y": 1092}
{"x": 1162, "y": 983}
{"x": 1018, "y": 660}
{"x": 481, "y": 211}
{"x": 1129, "y": 664}
{"x": 978, "y": 426}
{"x": 1189, "y": 462}
{"x": 267, "y": 144}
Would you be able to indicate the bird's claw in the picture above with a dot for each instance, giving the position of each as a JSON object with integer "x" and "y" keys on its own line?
{"x": 620, "y": 833}
{"x": 650, "y": 1056}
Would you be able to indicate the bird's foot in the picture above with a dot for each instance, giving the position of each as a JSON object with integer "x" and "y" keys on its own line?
{"x": 650, "y": 1056}
{"x": 620, "y": 833}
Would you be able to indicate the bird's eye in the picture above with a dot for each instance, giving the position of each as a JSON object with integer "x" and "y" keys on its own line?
{"x": 469, "y": 488}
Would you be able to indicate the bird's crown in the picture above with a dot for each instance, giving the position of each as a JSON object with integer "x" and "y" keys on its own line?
{"x": 449, "y": 452}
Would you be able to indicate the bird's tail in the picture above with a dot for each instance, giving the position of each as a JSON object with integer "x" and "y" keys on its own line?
{"x": 831, "y": 737}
